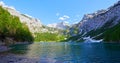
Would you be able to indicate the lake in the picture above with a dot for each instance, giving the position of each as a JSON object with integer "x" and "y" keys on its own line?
{"x": 65, "y": 52}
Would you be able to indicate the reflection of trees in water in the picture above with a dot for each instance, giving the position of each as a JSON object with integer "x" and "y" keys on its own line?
{"x": 73, "y": 52}
{"x": 48, "y": 49}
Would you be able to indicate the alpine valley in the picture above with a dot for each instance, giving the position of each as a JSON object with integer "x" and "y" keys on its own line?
{"x": 25, "y": 39}
{"x": 37, "y": 31}
{"x": 100, "y": 25}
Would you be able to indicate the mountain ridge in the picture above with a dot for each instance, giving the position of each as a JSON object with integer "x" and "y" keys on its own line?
{"x": 33, "y": 23}
{"x": 97, "y": 24}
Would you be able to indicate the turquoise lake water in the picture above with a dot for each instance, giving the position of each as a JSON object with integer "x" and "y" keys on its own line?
{"x": 64, "y": 52}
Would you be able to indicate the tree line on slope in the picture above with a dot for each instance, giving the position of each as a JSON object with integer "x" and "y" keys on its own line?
{"x": 49, "y": 37}
{"x": 112, "y": 34}
{"x": 108, "y": 33}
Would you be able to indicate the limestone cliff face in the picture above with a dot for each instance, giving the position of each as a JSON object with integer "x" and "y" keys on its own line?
{"x": 98, "y": 19}
{"x": 33, "y": 24}
{"x": 102, "y": 24}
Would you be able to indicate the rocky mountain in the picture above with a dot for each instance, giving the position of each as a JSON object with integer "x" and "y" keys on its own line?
{"x": 18, "y": 27}
{"x": 100, "y": 24}
{"x": 98, "y": 19}
{"x": 33, "y": 24}
{"x": 62, "y": 25}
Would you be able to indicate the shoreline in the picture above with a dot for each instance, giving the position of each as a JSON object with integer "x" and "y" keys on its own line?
{"x": 4, "y": 47}
{"x": 7, "y": 57}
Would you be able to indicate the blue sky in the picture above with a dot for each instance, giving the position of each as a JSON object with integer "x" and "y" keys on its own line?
{"x": 54, "y": 11}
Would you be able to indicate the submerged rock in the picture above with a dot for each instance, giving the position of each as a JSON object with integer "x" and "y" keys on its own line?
{"x": 4, "y": 48}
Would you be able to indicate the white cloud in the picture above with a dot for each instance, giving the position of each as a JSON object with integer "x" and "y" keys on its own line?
{"x": 78, "y": 16}
{"x": 66, "y": 22}
{"x": 57, "y": 14}
{"x": 63, "y": 18}
{"x": 76, "y": 22}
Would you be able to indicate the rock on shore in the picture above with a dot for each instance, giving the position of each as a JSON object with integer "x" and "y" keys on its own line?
{"x": 4, "y": 48}
{"x": 12, "y": 58}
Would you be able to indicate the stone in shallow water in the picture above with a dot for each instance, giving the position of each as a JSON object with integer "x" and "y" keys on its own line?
{"x": 4, "y": 48}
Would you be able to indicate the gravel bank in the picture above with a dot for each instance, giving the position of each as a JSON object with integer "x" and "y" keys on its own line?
{"x": 12, "y": 58}
{"x": 4, "y": 48}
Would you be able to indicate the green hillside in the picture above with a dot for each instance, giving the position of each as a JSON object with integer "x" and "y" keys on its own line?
{"x": 11, "y": 27}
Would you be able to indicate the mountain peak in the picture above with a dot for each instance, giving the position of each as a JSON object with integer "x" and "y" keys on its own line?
{"x": 62, "y": 25}
{"x": 99, "y": 18}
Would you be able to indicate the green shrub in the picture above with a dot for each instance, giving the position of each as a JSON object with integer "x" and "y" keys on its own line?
{"x": 48, "y": 37}
{"x": 10, "y": 26}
